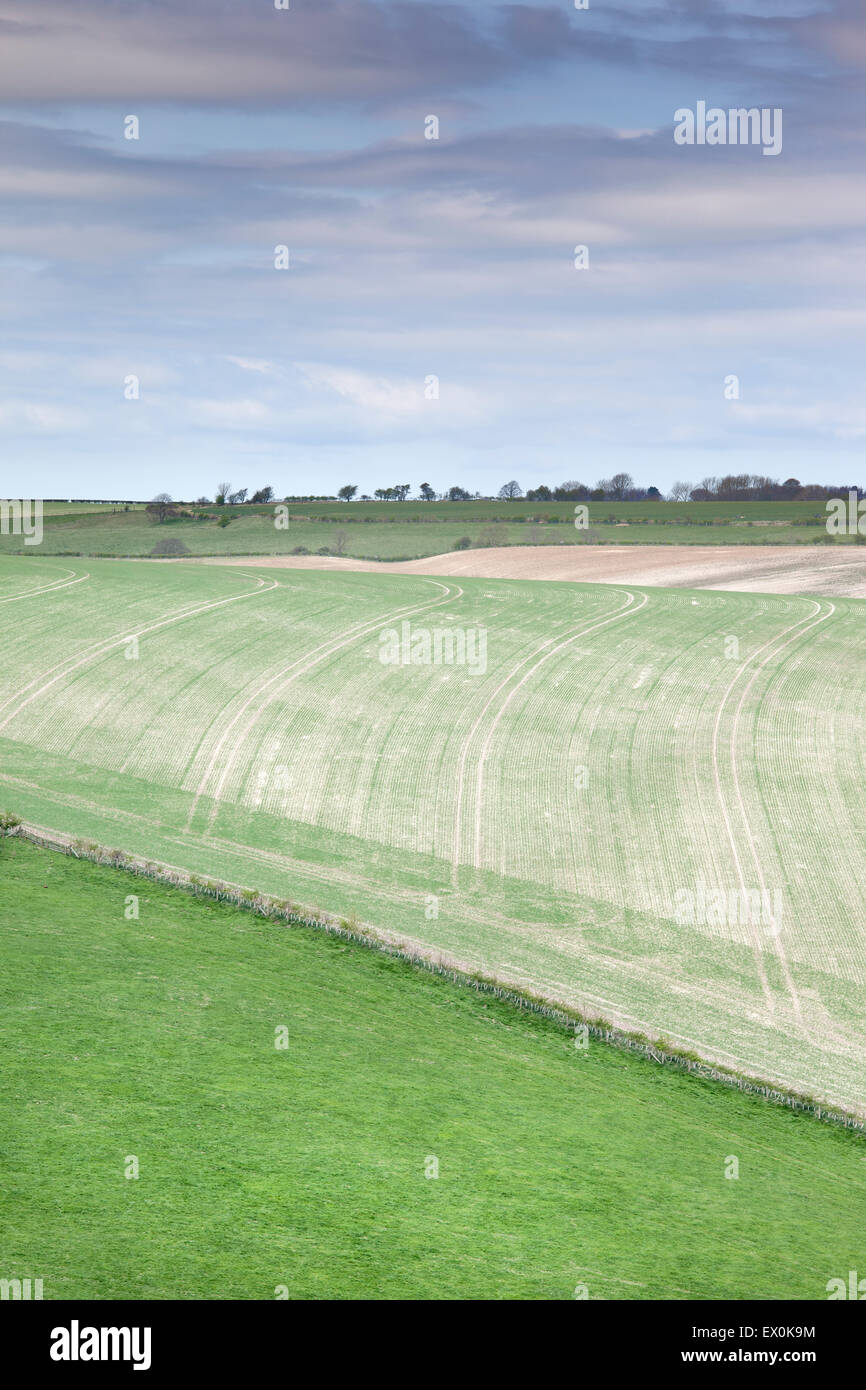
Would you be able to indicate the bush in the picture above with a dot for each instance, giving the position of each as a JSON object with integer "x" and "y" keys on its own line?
{"x": 8, "y": 822}
{"x": 300, "y": 550}
{"x": 463, "y": 543}
{"x": 323, "y": 550}
{"x": 170, "y": 546}
{"x": 493, "y": 535}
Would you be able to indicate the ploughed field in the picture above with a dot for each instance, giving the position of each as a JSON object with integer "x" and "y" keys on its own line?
{"x": 644, "y": 802}
{"x": 764, "y": 569}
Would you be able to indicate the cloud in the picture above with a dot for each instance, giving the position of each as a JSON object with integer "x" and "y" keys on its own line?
{"x": 840, "y": 31}
{"x": 375, "y": 52}
{"x": 387, "y": 401}
{"x": 413, "y": 257}
{"x": 237, "y": 414}
{"x": 251, "y": 364}
{"x": 41, "y": 417}
{"x": 374, "y": 393}
{"x": 336, "y": 50}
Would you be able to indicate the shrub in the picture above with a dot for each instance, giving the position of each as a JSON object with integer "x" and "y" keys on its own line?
{"x": 463, "y": 543}
{"x": 8, "y": 822}
{"x": 493, "y": 535}
{"x": 300, "y": 550}
{"x": 170, "y": 546}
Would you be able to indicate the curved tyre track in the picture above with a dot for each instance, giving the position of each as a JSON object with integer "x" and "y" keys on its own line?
{"x": 286, "y": 677}
{"x": 51, "y": 588}
{"x": 65, "y": 668}
{"x": 797, "y": 630}
{"x": 461, "y": 765}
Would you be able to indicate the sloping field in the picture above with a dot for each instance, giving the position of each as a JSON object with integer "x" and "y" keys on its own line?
{"x": 412, "y": 1140}
{"x": 647, "y": 803}
{"x": 397, "y": 531}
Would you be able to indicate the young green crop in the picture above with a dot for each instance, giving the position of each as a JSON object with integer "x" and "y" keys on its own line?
{"x": 645, "y": 803}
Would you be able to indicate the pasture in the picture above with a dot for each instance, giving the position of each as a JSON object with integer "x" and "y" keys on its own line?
{"x": 645, "y": 803}
{"x": 309, "y": 1169}
{"x": 410, "y": 530}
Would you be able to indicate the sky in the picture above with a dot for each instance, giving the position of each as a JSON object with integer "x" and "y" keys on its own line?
{"x": 432, "y": 324}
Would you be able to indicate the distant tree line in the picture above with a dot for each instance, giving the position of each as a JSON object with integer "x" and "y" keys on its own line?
{"x": 754, "y": 487}
{"x": 733, "y": 487}
{"x": 224, "y": 495}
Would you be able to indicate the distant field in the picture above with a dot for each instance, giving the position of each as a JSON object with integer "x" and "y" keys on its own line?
{"x": 305, "y": 1167}
{"x": 519, "y": 510}
{"x": 71, "y": 508}
{"x": 409, "y": 530}
{"x": 538, "y": 819}
{"x": 755, "y": 569}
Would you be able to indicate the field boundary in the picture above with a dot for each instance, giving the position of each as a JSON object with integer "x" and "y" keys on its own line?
{"x": 435, "y": 962}
{"x": 762, "y": 543}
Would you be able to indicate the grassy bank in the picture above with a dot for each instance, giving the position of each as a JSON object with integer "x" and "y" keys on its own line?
{"x": 305, "y": 1167}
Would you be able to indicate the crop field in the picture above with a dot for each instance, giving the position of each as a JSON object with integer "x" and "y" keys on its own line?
{"x": 765, "y": 569}
{"x": 411, "y": 530}
{"x": 411, "y": 1139}
{"x": 72, "y": 508}
{"x": 645, "y": 803}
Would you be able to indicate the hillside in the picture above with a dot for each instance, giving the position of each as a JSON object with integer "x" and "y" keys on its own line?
{"x": 303, "y": 1169}
{"x": 407, "y": 530}
{"x": 646, "y": 803}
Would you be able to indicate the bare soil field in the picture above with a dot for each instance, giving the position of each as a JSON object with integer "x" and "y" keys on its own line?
{"x": 753, "y": 569}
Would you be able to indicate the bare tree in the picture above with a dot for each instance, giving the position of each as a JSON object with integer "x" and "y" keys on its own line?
{"x": 569, "y": 491}
{"x": 511, "y": 490}
{"x": 161, "y": 508}
{"x": 222, "y": 492}
{"x": 620, "y": 484}
{"x": 680, "y": 492}
{"x": 493, "y": 536}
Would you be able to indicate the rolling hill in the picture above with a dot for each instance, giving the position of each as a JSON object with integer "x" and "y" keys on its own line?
{"x": 644, "y": 803}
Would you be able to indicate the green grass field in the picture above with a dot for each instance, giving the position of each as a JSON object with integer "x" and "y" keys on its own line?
{"x": 539, "y": 820}
{"x": 305, "y": 1167}
{"x": 409, "y": 530}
